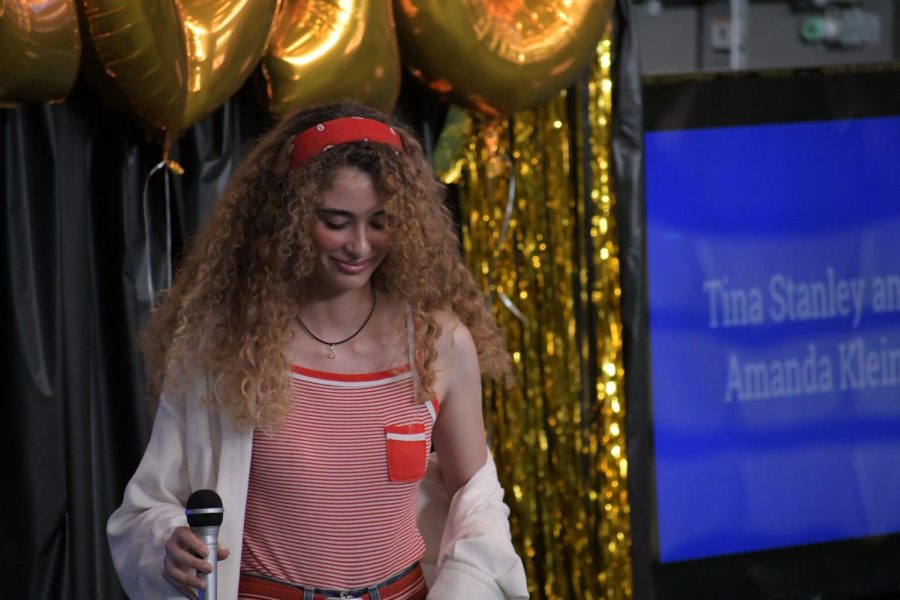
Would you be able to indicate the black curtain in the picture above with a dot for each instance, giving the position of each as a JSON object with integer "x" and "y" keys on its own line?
{"x": 628, "y": 179}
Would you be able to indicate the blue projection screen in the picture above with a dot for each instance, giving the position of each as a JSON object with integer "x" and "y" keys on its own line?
{"x": 774, "y": 283}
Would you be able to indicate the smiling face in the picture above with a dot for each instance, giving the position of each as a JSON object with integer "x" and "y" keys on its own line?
{"x": 350, "y": 233}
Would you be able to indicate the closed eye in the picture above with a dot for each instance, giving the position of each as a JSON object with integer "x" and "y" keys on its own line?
{"x": 334, "y": 226}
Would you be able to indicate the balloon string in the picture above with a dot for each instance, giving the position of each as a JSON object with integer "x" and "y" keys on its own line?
{"x": 504, "y": 231}
{"x": 146, "y": 213}
{"x": 167, "y": 183}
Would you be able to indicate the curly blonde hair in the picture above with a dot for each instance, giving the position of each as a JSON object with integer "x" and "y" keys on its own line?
{"x": 231, "y": 308}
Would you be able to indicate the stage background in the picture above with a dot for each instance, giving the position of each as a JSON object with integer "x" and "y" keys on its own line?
{"x": 75, "y": 294}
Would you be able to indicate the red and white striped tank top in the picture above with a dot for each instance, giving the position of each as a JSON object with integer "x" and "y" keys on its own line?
{"x": 332, "y": 494}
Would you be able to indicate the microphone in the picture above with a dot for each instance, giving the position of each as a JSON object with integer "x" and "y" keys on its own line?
{"x": 204, "y": 514}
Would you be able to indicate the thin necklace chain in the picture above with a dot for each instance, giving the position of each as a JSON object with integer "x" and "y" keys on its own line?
{"x": 331, "y": 352}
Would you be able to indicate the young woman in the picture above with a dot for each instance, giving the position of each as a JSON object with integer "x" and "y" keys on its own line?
{"x": 321, "y": 337}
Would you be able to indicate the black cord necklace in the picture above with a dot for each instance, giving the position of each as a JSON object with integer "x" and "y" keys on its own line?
{"x": 331, "y": 353}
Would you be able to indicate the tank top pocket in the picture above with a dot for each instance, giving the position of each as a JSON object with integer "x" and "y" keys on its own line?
{"x": 406, "y": 452}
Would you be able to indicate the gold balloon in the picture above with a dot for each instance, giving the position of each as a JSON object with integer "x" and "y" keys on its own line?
{"x": 39, "y": 50}
{"x": 172, "y": 62}
{"x": 325, "y": 50}
{"x": 499, "y": 56}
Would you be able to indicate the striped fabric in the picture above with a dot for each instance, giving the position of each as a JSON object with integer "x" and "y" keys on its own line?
{"x": 324, "y": 507}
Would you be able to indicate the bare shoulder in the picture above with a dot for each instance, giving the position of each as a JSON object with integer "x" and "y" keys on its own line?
{"x": 455, "y": 342}
{"x": 457, "y": 357}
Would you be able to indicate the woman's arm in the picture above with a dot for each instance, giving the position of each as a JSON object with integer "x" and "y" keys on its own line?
{"x": 152, "y": 508}
{"x": 155, "y": 553}
{"x": 459, "y": 432}
{"x": 476, "y": 557}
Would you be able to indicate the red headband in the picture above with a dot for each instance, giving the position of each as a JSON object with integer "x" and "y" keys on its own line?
{"x": 325, "y": 136}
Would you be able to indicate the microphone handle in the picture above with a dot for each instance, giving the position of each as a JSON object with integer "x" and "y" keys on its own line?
{"x": 210, "y": 537}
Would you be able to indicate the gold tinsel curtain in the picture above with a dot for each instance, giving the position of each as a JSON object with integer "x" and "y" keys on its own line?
{"x": 539, "y": 230}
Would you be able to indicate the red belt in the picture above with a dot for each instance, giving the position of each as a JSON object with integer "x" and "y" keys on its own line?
{"x": 411, "y": 581}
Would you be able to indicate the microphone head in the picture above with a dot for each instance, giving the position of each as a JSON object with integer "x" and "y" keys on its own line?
{"x": 204, "y": 509}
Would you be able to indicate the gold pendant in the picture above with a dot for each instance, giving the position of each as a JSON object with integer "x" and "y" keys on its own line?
{"x": 331, "y": 353}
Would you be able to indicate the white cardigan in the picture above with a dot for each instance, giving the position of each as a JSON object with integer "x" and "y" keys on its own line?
{"x": 469, "y": 552}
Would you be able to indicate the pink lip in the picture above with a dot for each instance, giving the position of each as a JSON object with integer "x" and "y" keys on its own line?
{"x": 354, "y": 267}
